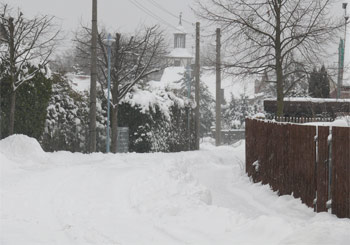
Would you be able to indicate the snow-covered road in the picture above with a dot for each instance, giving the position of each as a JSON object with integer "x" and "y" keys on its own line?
{"x": 199, "y": 198}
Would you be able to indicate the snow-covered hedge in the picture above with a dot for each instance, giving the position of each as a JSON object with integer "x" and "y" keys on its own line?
{"x": 155, "y": 114}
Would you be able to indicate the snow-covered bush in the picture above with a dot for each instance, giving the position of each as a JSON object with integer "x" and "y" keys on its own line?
{"x": 156, "y": 117}
{"x": 32, "y": 98}
{"x": 66, "y": 126}
{"x": 237, "y": 110}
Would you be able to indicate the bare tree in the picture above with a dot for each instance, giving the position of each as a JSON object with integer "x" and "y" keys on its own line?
{"x": 272, "y": 35}
{"x": 28, "y": 43}
{"x": 133, "y": 60}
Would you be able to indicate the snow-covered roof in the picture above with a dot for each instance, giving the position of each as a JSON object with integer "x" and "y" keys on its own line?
{"x": 79, "y": 83}
{"x": 230, "y": 84}
{"x": 346, "y": 82}
{"x": 314, "y": 100}
{"x": 180, "y": 30}
{"x": 172, "y": 76}
{"x": 180, "y": 53}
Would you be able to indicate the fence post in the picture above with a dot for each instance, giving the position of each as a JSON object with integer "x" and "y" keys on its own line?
{"x": 329, "y": 140}
{"x": 316, "y": 163}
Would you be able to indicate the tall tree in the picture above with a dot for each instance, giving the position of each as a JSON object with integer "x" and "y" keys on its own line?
{"x": 319, "y": 83}
{"x": 134, "y": 59}
{"x": 29, "y": 43}
{"x": 31, "y": 102}
{"x": 272, "y": 35}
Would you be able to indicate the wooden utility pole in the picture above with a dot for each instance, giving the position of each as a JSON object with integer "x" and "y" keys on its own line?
{"x": 197, "y": 72}
{"x": 218, "y": 88}
{"x": 92, "y": 114}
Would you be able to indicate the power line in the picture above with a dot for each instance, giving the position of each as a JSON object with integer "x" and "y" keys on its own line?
{"x": 148, "y": 12}
{"x": 154, "y": 3}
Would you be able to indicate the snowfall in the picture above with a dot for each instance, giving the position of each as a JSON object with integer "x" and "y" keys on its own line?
{"x": 200, "y": 197}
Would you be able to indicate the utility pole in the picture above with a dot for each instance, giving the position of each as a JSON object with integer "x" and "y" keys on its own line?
{"x": 188, "y": 82}
{"x": 197, "y": 72}
{"x": 340, "y": 67}
{"x": 92, "y": 114}
{"x": 218, "y": 88}
{"x": 341, "y": 55}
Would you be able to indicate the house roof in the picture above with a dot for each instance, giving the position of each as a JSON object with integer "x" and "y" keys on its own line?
{"x": 180, "y": 29}
{"x": 180, "y": 53}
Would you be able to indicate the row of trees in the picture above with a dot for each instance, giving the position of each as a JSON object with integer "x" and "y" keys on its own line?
{"x": 133, "y": 59}
{"x": 47, "y": 107}
{"x": 279, "y": 38}
{"x": 25, "y": 48}
{"x": 283, "y": 38}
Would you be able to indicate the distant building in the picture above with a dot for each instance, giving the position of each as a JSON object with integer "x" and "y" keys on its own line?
{"x": 179, "y": 56}
{"x": 344, "y": 91}
{"x": 310, "y": 107}
{"x": 3, "y": 33}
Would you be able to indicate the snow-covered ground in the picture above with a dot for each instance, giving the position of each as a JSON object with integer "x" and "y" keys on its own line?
{"x": 199, "y": 198}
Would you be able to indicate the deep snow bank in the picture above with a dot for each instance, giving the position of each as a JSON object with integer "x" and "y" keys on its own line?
{"x": 201, "y": 197}
{"x": 21, "y": 148}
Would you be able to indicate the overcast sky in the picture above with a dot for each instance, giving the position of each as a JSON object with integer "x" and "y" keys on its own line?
{"x": 125, "y": 15}
{"x": 121, "y": 15}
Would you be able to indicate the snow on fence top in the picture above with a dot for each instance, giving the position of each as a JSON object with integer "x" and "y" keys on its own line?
{"x": 313, "y": 100}
{"x": 310, "y": 107}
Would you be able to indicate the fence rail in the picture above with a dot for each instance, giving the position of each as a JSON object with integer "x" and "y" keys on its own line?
{"x": 301, "y": 119}
{"x": 310, "y": 162}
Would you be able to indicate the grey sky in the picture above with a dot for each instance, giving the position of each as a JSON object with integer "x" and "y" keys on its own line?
{"x": 124, "y": 16}
{"x": 121, "y": 15}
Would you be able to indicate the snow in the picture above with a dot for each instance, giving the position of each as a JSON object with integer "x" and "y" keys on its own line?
{"x": 338, "y": 122}
{"x": 172, "y": 77}
{"x": 201, "y": 197}
{"x": 315, "y": 100}
{"x": 180, "y": 53}
{"x": 79, "y": 83}
{"x": 259, "y": 115}
{"x": 180, "y": 29}
{"x": 230, "y": 84}
{"x": 21, "y": 148}
{"x": 155, "y": 95}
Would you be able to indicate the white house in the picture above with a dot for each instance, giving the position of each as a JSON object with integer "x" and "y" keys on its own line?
{"x": 179, "y": 56}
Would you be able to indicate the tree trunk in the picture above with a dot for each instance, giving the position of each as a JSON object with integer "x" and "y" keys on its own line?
{"x": 11, "y": 125}
{"x": 279, "y": 62}
{"x": 12, "y": 113}
{"x": 280, "y": 95}
{"x": 114, "y": 128}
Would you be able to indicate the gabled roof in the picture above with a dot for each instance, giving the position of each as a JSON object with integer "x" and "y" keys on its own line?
{"x": 180, "y": 30}
{"x": 180, "y": 53}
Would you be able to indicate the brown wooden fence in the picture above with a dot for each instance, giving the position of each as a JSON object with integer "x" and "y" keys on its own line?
{"x": 302, "y": 160}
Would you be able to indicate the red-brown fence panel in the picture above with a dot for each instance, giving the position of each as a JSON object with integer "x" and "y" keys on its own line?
{"x": 303, "y": 149}
{"x": 284, "y": 156}
{"x": 341, "y": 172}
{"x": 251, "y": 153}
{"x": 285, "y": 170}
{"x": 322, "y": 169}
